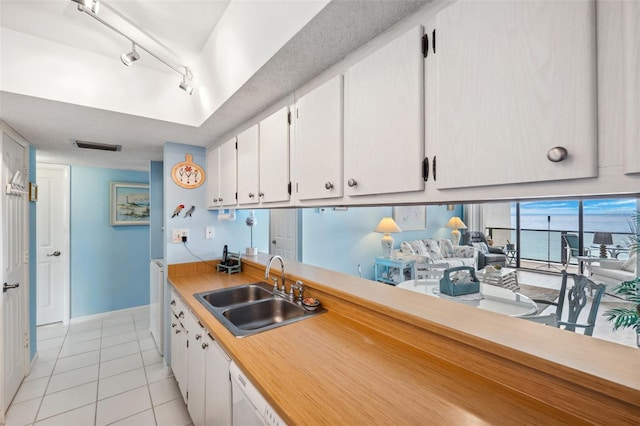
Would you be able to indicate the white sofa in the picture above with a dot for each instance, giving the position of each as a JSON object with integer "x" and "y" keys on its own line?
{"x": 612, "y": 271}
{"x": 437, "y": 251}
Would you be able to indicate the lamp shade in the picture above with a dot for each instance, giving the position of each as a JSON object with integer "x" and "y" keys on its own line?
{"x": 602, "y": 238}
{"x": 456, "y": 223}
{"x": 387, "y": 225}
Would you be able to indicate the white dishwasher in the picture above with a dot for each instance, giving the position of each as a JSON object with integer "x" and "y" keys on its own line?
{"x": 249, "y": 406}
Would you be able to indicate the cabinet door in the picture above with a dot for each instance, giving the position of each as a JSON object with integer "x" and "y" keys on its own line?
{"x": 514, "y": 80}
{"x": 274, "y": 157}
{"x": 213, "y": 177}
{"x": 228, "y": 173}
{"x": 196, "y": 371}
{"x": 218, "y": 384}
{"x": 383, "y": 127}
{"x": 248, "y": 172}
{"x": 179, "y": 344}
{"x": 318, "y": 149}
{"x": 631, "y": 77}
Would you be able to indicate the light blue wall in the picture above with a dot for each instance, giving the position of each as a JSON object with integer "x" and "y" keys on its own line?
{"x": 156, "y": 190}
{"x": 33, "y": 341}
{"x": 340, "y": 240}
{"x": 109, "y": 264}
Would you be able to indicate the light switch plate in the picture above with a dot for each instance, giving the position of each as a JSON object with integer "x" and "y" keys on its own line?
{"x": 209, "y": 232}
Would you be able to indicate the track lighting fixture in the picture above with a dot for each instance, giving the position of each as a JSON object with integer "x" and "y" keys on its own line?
{"x": 130, "y": 57}
{"x": 90, "y": 7}
{"x": 185, "y": 86}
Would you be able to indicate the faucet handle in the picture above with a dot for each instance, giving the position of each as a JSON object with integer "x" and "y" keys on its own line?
{"x": 300, "y": 285}
{"x": 275, "y": 284}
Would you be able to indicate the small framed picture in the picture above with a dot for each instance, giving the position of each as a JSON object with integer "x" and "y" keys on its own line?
{"x": 410, "y": 218}
{"x": 129, "y": 204}
{"x": 33, "y": 192}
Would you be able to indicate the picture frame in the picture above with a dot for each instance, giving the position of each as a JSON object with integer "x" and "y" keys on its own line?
{"x": 33, "y": 192}
{"x": 129, "y": 204}
{"x": 410, "y": 218}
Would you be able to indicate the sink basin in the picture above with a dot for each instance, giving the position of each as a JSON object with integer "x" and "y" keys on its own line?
{"x": 252, "y": 308}
{"x": 262, "y": 314}
{"x": 235, "y": 295}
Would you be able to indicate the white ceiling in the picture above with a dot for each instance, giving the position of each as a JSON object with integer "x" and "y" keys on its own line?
{"x": 178, "y": 29}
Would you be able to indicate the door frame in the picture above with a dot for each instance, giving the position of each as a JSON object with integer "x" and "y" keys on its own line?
{"x": 65, "y": 247}
{"x": 5, "y": 129}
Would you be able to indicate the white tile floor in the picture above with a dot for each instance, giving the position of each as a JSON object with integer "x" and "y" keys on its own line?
{"x": 98, "y": 372}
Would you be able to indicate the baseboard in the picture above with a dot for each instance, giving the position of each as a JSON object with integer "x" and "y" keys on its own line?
{"x": 110, "y": 314}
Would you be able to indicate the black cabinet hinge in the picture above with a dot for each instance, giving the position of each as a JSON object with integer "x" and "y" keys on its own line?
{"x": 433, "y": 40}
{"x": 425, "y": 169}
{"x": 289, "y": 188}
{"x": 187, "y": 344}
{"x": 433, "y": 165}
{"x": 236, "y": 196}
{"x": 425, "y": 45}
{"x": 289, "y": 118}
{"x": 236, "y": 145}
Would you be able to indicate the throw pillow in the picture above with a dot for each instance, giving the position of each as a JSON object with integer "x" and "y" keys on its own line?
{"x": 464, "y": 251}
{"x": 482, "y": 247}
{"x": 406, "y": 248}
{"x": 630, "y": 264}
{"x": 446, "y": 246}
{"x": 433, "y": 249}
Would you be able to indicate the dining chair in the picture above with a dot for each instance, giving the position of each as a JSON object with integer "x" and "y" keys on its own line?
{"x": 574, "y": 299}
{"x": 429, "y": 271}
{"x": 572, "y": 248}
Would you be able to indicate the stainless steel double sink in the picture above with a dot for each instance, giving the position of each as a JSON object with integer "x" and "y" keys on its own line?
{"x": 252, "y": 308}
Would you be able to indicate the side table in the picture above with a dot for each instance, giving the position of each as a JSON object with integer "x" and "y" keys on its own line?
{"x": 393, "y": 271}
{"x": 511, "y": 256}
{"x": 588, "y": 260}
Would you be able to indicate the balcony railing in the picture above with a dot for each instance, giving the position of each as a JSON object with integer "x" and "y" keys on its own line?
{"x": 542, "y": 245}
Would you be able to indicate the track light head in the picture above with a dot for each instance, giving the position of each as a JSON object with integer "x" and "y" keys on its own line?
{"x": 91, "y": 5}
{"x": 130, "y": 57}
{"x": 185, "y": 86}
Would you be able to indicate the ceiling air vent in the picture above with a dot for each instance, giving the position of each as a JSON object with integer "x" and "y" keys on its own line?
{"x": 96, "y": 145}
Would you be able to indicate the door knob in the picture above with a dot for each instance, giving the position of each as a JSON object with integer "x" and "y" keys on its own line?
{"x": 352, "y": 182}
{"x": 55, "y": 253}
{"x": 273, "y": 241}
{"x": 6, "y": 286}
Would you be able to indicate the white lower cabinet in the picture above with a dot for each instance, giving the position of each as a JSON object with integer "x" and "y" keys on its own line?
{"x": 208, "y": 383}
{"x": 179, "y": 343}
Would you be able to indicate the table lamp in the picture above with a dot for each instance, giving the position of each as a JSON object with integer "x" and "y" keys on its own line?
{"x": 456, "y": 223}
{"x": 386, "y": 226}
{"x": 602, "y": 238}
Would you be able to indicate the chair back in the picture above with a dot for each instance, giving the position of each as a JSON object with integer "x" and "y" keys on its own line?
{"x": 474, "y": 237}
{"x": 575, "y": 299}
{"x": 429, "y": 271}
{"x": 571, "y": 241}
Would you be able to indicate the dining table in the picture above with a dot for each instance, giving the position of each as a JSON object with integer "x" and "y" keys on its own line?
{"x": 490, "y": 297}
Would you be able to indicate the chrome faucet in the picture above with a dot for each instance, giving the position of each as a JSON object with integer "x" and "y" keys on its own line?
{"x": 282, "y": 291}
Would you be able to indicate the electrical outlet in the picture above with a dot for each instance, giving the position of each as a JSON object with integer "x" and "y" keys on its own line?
{"x": 209, "y": 232}
{"x": 178, "y": 234}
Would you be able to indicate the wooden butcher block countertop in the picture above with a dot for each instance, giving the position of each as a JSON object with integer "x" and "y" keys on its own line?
{"x": 383, "y": 355}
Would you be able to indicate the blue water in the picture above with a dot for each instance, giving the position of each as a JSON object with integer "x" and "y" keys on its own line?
{"x": 533, "y": 243}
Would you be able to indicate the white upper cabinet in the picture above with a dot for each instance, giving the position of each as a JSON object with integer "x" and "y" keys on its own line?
{"x": 631, "y": 81}
{"x": 274, "y": 182}
{"x": 213, "y": 177}
{"x": 228, "y": 173}
{"x": 514, "y": 79}
{"x": 383, "y": 119}
{"x": 318, "y": 148}
{"x": 248, "y": 173}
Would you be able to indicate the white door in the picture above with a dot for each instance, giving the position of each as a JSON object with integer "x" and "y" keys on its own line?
{"x": 52, "y": 241}
{"x": 283, "y": 225}
{"x": 14, "y": 268}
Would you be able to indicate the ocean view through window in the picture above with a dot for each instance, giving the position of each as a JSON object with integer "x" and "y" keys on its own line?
{"x": 542, "y": 224}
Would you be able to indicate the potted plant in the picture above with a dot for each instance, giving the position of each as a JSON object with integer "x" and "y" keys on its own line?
{"x": 627, "y": 317}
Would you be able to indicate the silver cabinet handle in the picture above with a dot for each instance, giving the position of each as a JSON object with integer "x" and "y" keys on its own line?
{"x": 557, "y": 154}
{"x": 215, "y": 200}
{"x": 352, "y": 182}
{"x": 55, "y": 253}
{"x": 198, "y": 337}
{"x": 205, "y": 345}
{"x": 328, "y": 185}
{"x": 260, "y": 194}
{"x": 220, "y": 199}
{"x": 181, "y": 314}
{"x": 251, "y": 195}
{"x": 173, "y": 302}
